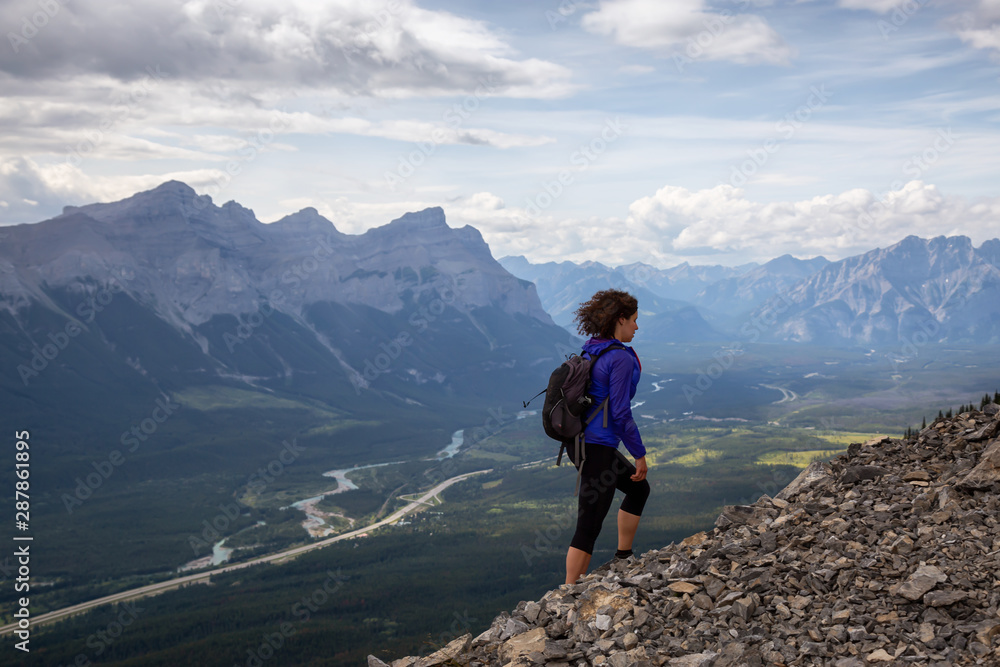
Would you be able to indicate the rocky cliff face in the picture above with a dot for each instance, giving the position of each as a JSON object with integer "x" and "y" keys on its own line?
{"x": 192, "y": 260}
{"x": 888, "y": 554}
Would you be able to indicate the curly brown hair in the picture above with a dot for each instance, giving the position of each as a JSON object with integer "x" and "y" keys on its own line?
{"x": 599, "y": 316}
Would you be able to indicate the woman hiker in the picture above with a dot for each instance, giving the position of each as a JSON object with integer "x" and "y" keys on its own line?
{"x": 610, "y": 319}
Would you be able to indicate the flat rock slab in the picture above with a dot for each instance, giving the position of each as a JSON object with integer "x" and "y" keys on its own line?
{"x": 879, "y": 656}
{"x": 448, "y": 654}
{"x": 522, "y": 645}
{"x": 986, "y": 473}
{"x": 816, "y": 474}
{"x": 706, "y": 659}
{"x": 944, "y": 598}
{"x": 684, "y": 587}
{"x": 924, "y": 579}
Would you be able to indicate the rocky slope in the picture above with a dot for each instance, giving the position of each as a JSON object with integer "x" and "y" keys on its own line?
{"x": 889, "y": 554}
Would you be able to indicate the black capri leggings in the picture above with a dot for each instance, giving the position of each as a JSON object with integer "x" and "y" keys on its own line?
{"x": 604, "y": 470}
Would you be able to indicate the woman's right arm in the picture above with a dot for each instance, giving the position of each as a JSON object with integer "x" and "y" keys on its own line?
{"x": 640, "y": 469}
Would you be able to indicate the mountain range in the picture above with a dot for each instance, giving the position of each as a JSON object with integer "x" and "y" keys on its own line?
{"x": 126, "y": 301}
{"x": 563, "y": 286}
{"x": 130, "y": 300}
{"x": 925, "y": 290}
{"x": 916, "y": 291}
{"x": 109, "y": 307}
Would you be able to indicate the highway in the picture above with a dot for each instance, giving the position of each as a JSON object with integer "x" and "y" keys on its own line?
{"x": 202, "y": 577}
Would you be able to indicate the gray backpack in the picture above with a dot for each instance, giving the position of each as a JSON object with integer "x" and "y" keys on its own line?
{"x": 567, "y": 399}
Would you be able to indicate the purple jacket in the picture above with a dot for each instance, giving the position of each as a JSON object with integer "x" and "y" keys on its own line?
{"x": 617, "y": 372}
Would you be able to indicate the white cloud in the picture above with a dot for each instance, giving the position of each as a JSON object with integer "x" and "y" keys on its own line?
{"x": 40, "y": 191}
{"x": 982, "y": 38}
{"x": 980, "y": 26}
{"x": 880, "y": 6}
{"x": 721, "y": 225}
{"x": 98, "y": 118}
{"x": 636, "y": 69}
{"x": 723, "y": 221}
{"x": 717, "y": 225}
{"x": 352, "y": 46}
{"x": 687, "y": 29}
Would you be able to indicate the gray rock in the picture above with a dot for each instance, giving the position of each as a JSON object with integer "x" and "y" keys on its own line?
{"x": 815, "y": 475}
{"x": 849, "y": 662}
{"x": 855, "y": 474}
{"x": 832, "y": 574}
{"x": 944, "y": 598}
{"x": 449, "y": 654}
{"x": 706, "y": 659}
{"x": 620, "y": 659}
{"x": 813, "y": 648}
{"x": 924, "y": 579}
{"x": 531, "y": 611}
{"x": 513, "y": 628}
{"x": 986, "y": 473}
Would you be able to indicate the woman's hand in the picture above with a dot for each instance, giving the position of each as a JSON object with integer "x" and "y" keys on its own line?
{"x": 640, "y": 470}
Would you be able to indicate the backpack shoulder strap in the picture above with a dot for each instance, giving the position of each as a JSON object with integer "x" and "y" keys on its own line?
{"x": 613, "y": 346}
{"x": 604, "y": 406}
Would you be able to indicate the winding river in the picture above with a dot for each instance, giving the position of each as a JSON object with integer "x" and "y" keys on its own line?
{"x": 316, "y": 521}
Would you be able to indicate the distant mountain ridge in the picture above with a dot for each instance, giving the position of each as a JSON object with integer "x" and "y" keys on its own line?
{"x": 563, "y": 286}
{"x": 929, "y": 290}
{"x": 194, "y": 245}
{"x": 934, "y": 290}
{"x": 683, "y": 281}
{"x": 733, "y": 298}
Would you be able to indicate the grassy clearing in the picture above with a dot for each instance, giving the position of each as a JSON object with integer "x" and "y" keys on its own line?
{"x": 696, "y": 458}
{"x": 331, "y": 427}
{"x": 797, "y": 459}
{"x": 848, "y": 437}
{"x": 207, "y": 398}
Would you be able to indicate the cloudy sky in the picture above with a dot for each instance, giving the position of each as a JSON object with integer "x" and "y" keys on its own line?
{"x": 613, "y": 130}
